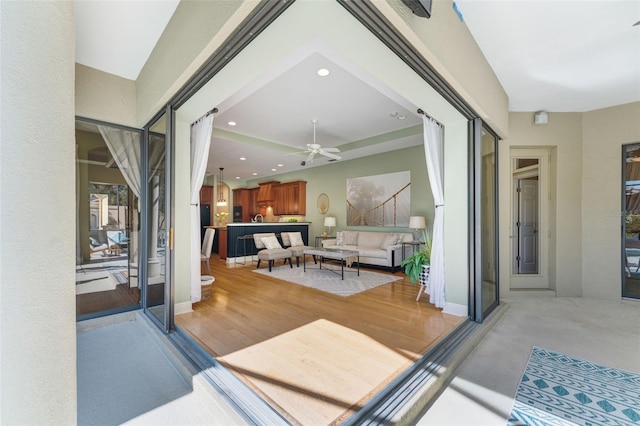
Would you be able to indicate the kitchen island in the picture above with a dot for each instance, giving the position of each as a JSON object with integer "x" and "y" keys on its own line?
{"x": 240, "y": 236}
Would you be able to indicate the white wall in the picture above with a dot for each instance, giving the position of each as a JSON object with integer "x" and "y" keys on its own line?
{"x": 182, "y": 220}
{"x": 604, "y": 133}
{"x": 456, "y": 231}
{"x": 37, "y": 215}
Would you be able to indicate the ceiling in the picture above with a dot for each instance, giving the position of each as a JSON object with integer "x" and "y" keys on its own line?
{"x": 558, "y": 56}
{"x": 561, "y": 56}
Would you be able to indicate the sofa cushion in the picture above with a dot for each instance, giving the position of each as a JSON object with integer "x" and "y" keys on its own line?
{"x": 373, "y": 252}
{"x": 389, "y": 240}
{"x": 350, "y": 238}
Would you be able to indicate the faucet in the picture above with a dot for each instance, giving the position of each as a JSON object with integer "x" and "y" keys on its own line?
{"x": 255, "y": 219}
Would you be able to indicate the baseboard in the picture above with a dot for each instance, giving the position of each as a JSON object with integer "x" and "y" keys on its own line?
{"x": 456, "y": 309}
{"x": 182, "y": 308}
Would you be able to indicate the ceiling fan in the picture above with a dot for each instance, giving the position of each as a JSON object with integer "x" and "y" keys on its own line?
{"x": 316, "y": 149}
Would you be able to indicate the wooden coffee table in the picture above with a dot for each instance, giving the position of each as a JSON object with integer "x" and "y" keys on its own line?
{"x": 334, "y": 254}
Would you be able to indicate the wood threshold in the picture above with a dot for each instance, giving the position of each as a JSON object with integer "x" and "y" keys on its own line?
{"x": 314, "y": 356}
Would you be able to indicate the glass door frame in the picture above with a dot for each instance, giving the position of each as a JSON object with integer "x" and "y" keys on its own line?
{"x": 476, "y": 311}
{"x": 623, "y": 223}
{"x": 167, "y": 323}
{"x": 138, "y": 305}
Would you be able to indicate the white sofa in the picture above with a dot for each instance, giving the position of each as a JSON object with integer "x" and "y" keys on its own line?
{"x": 375, "y": 248}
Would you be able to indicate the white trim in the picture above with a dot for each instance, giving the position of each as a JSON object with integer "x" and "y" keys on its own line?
{"x": 456, "y": 309}
{"x": 182, "y": 308}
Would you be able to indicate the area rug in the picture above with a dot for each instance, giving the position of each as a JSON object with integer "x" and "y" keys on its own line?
{"x": 558, "y": 389}
{"x": 327, "y": 280}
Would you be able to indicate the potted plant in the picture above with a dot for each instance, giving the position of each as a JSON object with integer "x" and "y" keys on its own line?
{"x": 416, "y": 266}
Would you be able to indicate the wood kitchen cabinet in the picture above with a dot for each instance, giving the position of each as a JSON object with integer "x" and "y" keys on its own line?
{"x": 222, "y": 243}
{"x": 206, "y": 194}
{"x": 253, "y": 207}
{"x": 290, "y": 198}
{"x": 241, "y": 197}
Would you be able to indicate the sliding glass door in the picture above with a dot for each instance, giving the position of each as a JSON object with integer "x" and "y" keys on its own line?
{"x": 107, "y": 218}
{"x": 631, "y": 221}
{"x": 157, "y": 221}
{"x": 485, "y": 295}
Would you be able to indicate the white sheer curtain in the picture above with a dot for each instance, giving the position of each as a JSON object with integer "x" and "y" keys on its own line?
{"x": 434, "y": 154}
{"x": 200, "y": 143}
{"x": 124, "y": 146}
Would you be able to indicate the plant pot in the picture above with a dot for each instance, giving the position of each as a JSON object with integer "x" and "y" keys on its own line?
{"x": 424, "y": 277}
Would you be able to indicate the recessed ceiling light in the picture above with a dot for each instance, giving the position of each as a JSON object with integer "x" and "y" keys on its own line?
{"x": 237, "y": 177}
{"x": 401, "y": 117}
{"x": 254, "y": 173}
{"x": 242, "y": 158}
{"x": 274, "y": 170}
{"x": 323, "y": 72}
{"x": 280, "y": 165}
{"x": 232, "y": 123}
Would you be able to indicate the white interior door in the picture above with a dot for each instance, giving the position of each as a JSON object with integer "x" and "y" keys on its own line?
{"x": 527, "y": 227}
{"x": 530, "y": 219}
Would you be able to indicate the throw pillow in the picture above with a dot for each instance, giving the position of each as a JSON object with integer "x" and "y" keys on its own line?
{"x": 295, "y": 238}
{"x": 389, "y": 240}
{"x": 271, "y": 242}
{"x": 339, "y": 239}
{"x": 350, "y": 238}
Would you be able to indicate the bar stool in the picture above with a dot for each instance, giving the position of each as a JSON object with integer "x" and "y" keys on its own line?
{"x": 244, "y": 239}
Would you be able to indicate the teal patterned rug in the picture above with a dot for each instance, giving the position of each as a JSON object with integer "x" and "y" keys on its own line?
{"x": 558, "y": 389}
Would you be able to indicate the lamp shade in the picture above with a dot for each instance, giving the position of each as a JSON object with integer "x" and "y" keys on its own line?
{"x": 417, "y": 222}
{"x": 330, "y": 221}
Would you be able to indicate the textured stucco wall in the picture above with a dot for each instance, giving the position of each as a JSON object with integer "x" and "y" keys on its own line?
{"x": 195, "y": 31}
{"x": 104, "y": 96}
{"x": 564, "y": 133}
{"x": 37, "y": 217}
{"x": 604, "y": 133}
{"x": 449, "y": 47}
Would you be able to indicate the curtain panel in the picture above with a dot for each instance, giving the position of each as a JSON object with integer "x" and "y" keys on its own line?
{"x": 434, "y": 154}
{"x": 200, "y": 144}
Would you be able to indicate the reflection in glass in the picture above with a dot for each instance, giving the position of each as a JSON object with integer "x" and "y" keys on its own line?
{"x": 488, "y": 223}
{"x": 107, "y": 192}
{"x": 156, "y": 222}
{"x": 631, "y": 231}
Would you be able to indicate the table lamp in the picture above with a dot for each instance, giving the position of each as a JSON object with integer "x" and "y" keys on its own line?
{"x": 417, "y": 223}
{"x": 330, "y": 222}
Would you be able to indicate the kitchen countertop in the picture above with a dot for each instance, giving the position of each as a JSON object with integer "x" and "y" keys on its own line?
{"x": 266, "y": 223}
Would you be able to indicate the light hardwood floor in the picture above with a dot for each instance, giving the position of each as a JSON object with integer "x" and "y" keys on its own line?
{"x": 314, "y": 356}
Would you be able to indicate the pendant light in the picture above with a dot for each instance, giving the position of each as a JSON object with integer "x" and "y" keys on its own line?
{"x": 221, "y": 201}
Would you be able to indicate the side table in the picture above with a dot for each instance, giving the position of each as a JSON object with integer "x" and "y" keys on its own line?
{"x": 414, "y": 244}
{"x": 319, "y": 238}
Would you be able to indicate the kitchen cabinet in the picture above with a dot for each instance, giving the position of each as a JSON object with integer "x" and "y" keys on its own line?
{"x": 290, "y": 198}
{"x": 222, "y": 243}
{"x": 206, "y": 194}
{"x": 241, "y": 197}
{"x": 254, "y": 209}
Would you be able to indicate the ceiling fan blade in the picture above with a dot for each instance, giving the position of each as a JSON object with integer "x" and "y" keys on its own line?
{"x": 310, "y": 157}
{"x": 330, "y": 149}
{"x": 297, "y": 152}
{"x": 330, "y": 155}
